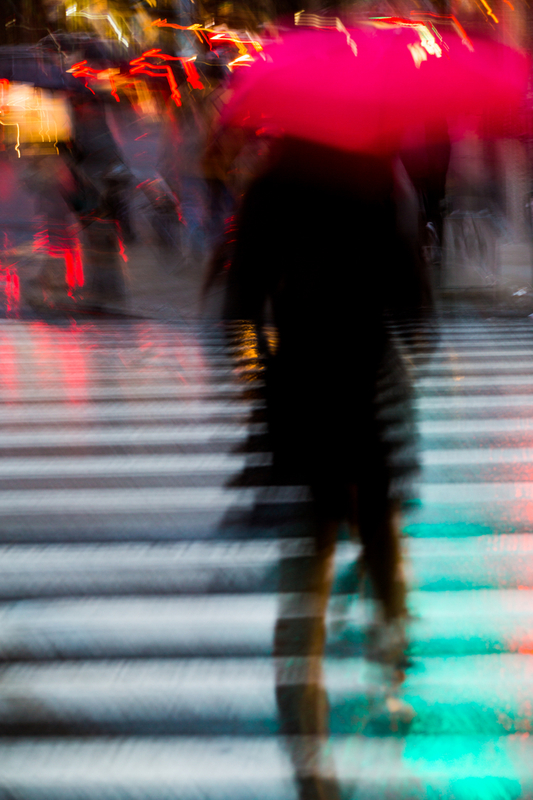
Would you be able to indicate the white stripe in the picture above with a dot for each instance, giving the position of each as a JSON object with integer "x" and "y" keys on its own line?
{"x": 171, "y": 434}
{"x": 497, "y": 545}
{"x": 141, "y": 499}
{"x": 490, "y": 323}
{"x": 220, "y": 614}
{"x": 475, "y": 366}
{"x": 248, "y": 767}
{"x": 154, "y": 767}
{"x": 62, "y": 391}
{"x": 106, "y": 340}
{"x": 486, "y": 325}
{"x": 476, "y": 401}
{"x": 458, "y": 382}
{"x": 145, "y": 613}
{"x": 65, "y": 412}
{"x": 467, "y": 426}
{"x": 91, "y": 686}
{"x": 95, "y": 343}
{"x": 522, "y": 326}
{"x": 196, "y": 683}
{"x": 460, "y": 340}
{"x": 127, "y": 330}
{"x": 119, "y": 375}
{"x": 501, "y": 350}
{"x": 114, "y": 555}
{"x": 94, "y": 346}
{"x": 444, "y": 325}
{"x": 478, "y": 347}
{"x": 70, "y": 569}
{"x": 492, "y": 455}
{"x": 119, "y": 557}
{"x": 459, "y": 493}
{"x": 128, "y": 465}
{"x": 82, "y": 363}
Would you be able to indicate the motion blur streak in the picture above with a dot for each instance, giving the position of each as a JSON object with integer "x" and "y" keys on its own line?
{"x": 266, "y": 387}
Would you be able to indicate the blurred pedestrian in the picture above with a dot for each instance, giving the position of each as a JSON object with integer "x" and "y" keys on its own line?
{"x": 324, "y": 248}
{"x": 318, "y": 239}
{"x": 103, "y": 182}
{"x": 50, "y": 180}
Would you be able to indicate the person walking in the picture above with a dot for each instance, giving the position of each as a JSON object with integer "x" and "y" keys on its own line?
{"x": 318, "y": 241}
{"x": 323, "y": 253}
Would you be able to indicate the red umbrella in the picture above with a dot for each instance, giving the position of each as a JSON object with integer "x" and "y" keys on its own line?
{"x": 361, "y": 89}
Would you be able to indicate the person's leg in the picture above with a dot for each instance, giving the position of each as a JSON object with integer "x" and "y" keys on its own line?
{"x": 299, "y": 641}
{"x": 300, "y": 633}
{"x": 376, "y": 521}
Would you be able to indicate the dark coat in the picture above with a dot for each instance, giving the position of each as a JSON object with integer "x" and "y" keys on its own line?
{"x": 318, "y": 239}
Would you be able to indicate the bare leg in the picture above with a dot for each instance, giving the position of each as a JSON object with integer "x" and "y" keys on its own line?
{"x": 378, "y": 528}
{"x": 298, "y": 649}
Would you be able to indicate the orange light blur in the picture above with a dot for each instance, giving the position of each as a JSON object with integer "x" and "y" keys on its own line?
{"x": 205, "y": 34}
{"x": 141, "y": 66}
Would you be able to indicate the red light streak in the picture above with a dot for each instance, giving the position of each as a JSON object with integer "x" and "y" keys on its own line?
{"x": 82, "y": 70}
{"x": 141, "y": 66}
{"x": 114, "y": 88}
{"x": 78, "y": 268}
{"x": 69, "y": 251}
{"x": 206, "y": 39}
{"x": 73, "y": 269}
{"x": 174, "y": 91}
{"x": 69, "y": 271}
{"x": 460, "y": 30}
{"x": 121, "y": 250}
{"x": 4, "y": 85}
{"x": 192, "y": 75}
{"x": 162, "y": 23}
{"x": 12, "y": 289}
{"x": 204, "y": 34}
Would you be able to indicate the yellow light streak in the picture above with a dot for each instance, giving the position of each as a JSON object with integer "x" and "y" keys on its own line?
{"x": 229, "y": 36}
{"x": 105, "y": 73}
{"x": 36, "y": 114}
{"x": 10, "y": 124}
{"x": 225, "y": 35}
{"x": 73, "y": 12}
{"x": 427, "y": 39}
{"x": 24, "y": 104}
{"x": 325, "y": 23}
{"x": 41, "y": 132}
{"x": 240, "y": 60}
{"x": 489, "y": 11}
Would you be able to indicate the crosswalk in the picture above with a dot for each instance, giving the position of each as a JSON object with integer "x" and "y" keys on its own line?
{"x": 140, "y": 546}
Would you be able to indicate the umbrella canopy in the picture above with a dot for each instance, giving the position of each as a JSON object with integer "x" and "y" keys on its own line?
{"x": 361, "y": 89}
